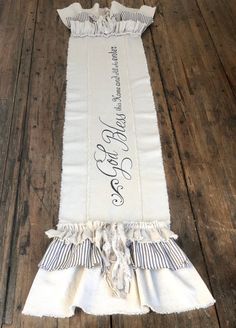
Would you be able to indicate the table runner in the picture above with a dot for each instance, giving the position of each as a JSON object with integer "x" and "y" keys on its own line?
{"x": 112, "y": 250}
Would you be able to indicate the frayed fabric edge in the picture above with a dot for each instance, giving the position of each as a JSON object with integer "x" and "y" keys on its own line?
{"x": 149, "y": 309}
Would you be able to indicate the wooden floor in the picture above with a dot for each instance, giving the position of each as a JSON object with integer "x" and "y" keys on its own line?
{"x": 191, "y": 52}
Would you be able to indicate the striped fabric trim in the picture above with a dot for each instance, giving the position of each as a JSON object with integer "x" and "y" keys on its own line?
{"x": 125, "y": 15}
{"x": 61, "y": 255}
{"x": 156, "y": 255}
{"x": 122, "y": 16}
{"x": 82, "y": 17}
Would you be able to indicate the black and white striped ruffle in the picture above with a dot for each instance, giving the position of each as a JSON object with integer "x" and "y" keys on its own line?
{"x": 124, "y": 22}
{"x": 157, "y": 255}
{"x": 60, "y": 255}
{"x": 81, "y": 17}
{"x": 137, "y": 17}
{"x": 164, "y": 254}
{"x": 117, "y": 247}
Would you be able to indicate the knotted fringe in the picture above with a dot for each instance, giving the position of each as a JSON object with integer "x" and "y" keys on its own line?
{"x": 117, "y": 247}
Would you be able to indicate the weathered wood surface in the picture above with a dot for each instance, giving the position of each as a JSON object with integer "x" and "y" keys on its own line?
{"x": 17, "y": 25}
{"x": 190, "y": 51}
{"x": 202, "y": 107}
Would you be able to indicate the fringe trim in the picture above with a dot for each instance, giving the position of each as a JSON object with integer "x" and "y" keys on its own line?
{"x": 96, "y": 230}
{"x": 117, "y": 247}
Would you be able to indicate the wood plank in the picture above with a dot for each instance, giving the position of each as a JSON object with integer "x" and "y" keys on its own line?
{"x": 201, "y": 106}
{"x": 219, "y": 17}
{"x": 180, "y": 207}
{"x": 195, "y": 116}
{"x": 11, "y": 38}
{"x": 39, "y": 186}
{"x": 15, "y": 61}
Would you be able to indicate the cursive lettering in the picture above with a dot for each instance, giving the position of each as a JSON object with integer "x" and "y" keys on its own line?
{"x": 111, "y": 153}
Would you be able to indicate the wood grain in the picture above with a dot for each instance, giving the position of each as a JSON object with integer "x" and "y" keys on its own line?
{"x": 39, "y": 181}
{"x": 190, "y": 51}
{"x": 219, "y": 17}
{"x": 16, "y": 40}
{"x": 201, "y": 105}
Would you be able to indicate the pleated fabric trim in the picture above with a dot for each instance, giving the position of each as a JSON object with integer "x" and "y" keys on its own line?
{"x": 118, "y": 248}
{"x": 85, "y": 24}
{"x": 117, "y": 20}
{"x": 157, "y": 255}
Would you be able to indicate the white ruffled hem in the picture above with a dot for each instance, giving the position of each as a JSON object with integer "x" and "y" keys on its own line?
{"x": 58, "y": 293}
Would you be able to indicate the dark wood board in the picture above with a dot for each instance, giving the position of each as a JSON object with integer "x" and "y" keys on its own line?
{"x": 190, "y": 51}
{"x": 16, "y": 42}
{"x": 202, "y": 105}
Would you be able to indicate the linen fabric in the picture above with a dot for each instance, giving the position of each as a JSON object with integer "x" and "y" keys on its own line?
{"x": 112, "y": 250}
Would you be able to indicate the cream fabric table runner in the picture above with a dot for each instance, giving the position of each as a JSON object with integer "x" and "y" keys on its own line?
{"x": 113, "y": 136}
{"x": 113, "y": 250}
